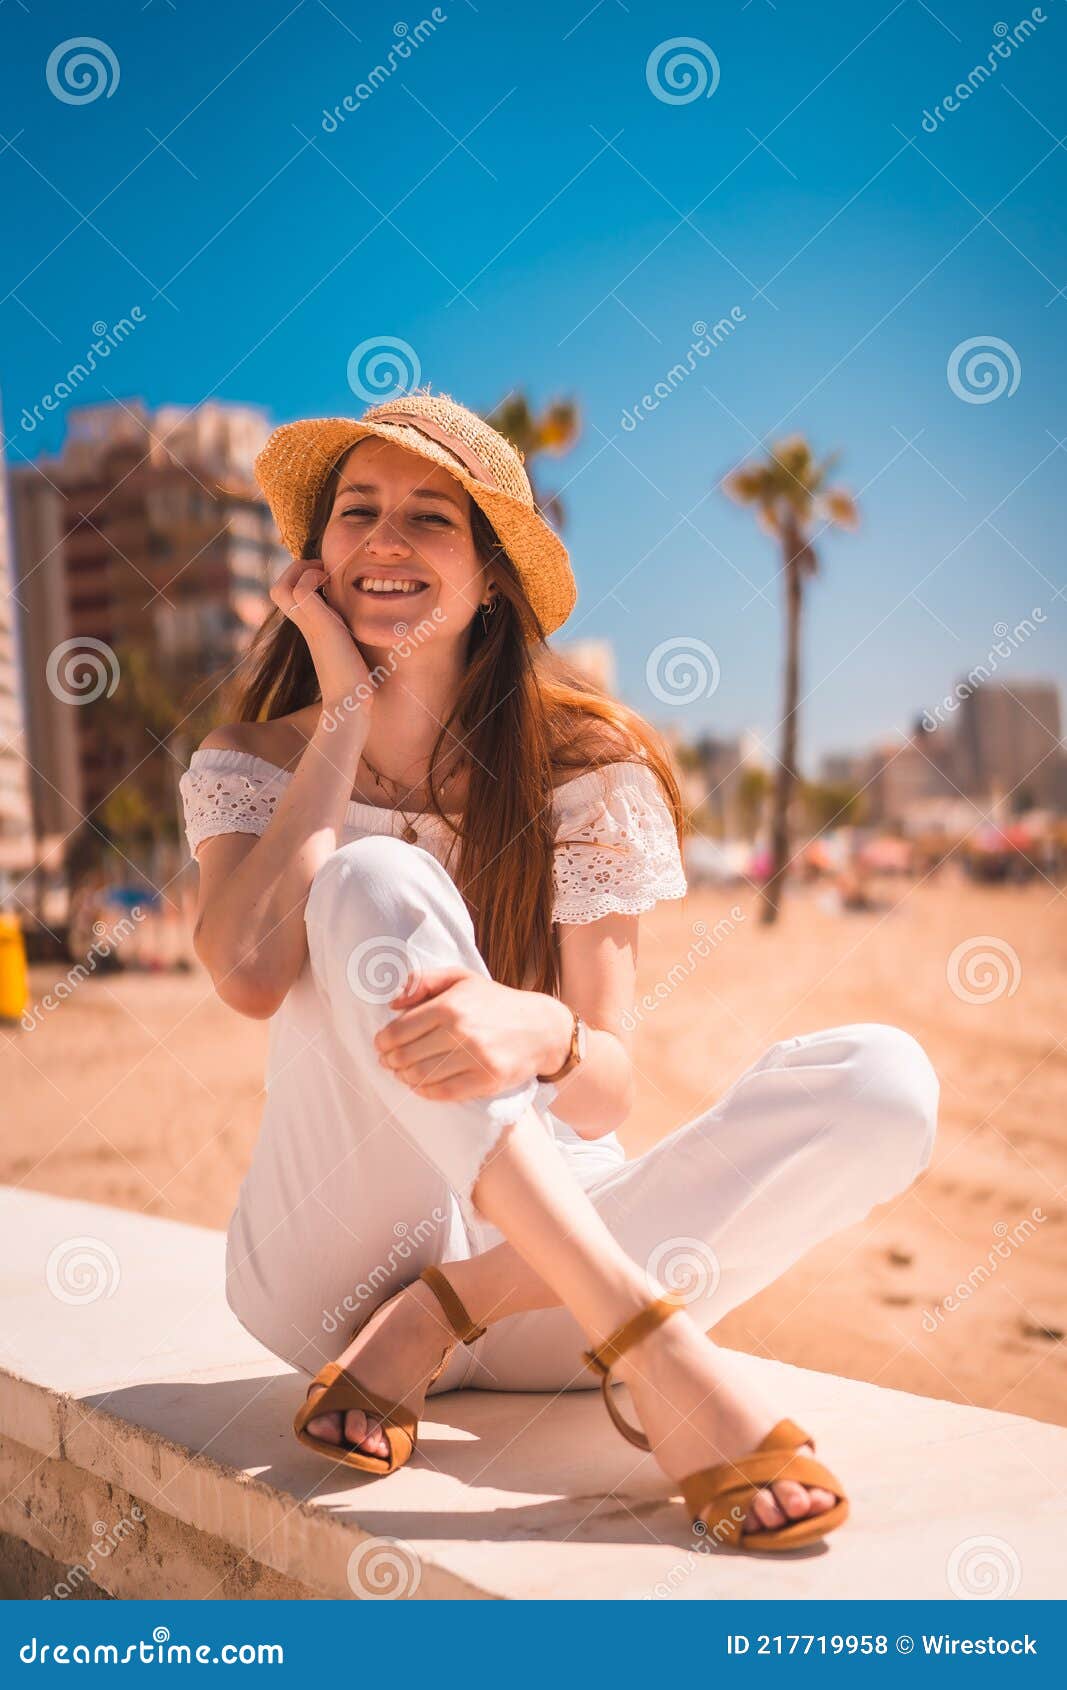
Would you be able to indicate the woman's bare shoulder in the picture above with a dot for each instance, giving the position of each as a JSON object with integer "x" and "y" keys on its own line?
{"x": 279, "y": 741}
{"x": 596, "y": 745}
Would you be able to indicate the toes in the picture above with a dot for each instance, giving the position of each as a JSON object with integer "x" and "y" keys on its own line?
{"x": 366, "y": 1434}
{"x": 794, "y": 1500}
{"x": 326, "y": 1427}
{"x": 357, "y": 1426}
{"x": 820, "y": 1501}
{"x": 357, "y": 1430}
{"x": 766, "y": 1510}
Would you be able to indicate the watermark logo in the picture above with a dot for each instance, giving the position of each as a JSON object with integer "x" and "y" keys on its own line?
{"x": 723, "y": 1531}
{"x": 681, "y": 670}
{"x": 107, "y": 339}
{"x": 82, "y": 1270}
{"x": 984, "y": 1567}
{"x": 81, "y": 670}
{"x": 383, "y": 367}
{"x": 105, "y": 941}
{"x": 377, "y": 968}
{"x": 407, "y": 41}
{"x": 384, "y": 1569}
{"x": 107, "y": 1539}
{"x": 682, "y": 70}
{"x": 707, "y": 339}
{"x": 1006, "y": 43}
{"x": 1008, "y": 1240}
{"x": 982, "y": 369}
{"x": 81, "y": 70}
{"x": 683, "y": 970}
{"x": 410, "y": 639}
{"x": 687, "y": 1267}
{"x": 983, "y": 969}
{"x": 407, "y": 1239}
{"x": 1007, "y": 640}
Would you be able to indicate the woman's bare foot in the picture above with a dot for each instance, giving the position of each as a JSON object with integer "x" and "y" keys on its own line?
{"x": 394, "y": 1356}
{"x": 697, "y": 1411}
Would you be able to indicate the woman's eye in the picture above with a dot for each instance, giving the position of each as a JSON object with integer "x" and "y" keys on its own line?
{"x": 427, "y": 516}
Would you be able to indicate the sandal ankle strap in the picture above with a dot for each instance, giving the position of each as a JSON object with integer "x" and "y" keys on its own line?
{"x": 604, "y": 1356}
{"x": 455, "y": 1313}
{"x": 631, "y": 1332}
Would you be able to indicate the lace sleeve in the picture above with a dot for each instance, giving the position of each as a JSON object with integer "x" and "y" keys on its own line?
{"x": 616, "y": 845}
{"x": 226, "y": 791}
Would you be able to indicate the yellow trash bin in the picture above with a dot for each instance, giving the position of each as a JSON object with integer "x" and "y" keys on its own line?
{"x": 14, "y": 987}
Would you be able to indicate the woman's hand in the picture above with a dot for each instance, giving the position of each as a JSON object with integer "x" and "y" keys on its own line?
{"x": 344, "y": 678}
{"x": 459, "y": 1035}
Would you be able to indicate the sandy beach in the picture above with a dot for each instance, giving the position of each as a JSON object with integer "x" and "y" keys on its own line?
{"x": 144, "y": 1091}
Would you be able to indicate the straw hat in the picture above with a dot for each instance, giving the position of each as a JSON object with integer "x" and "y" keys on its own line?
{"x": 296, "y": 459}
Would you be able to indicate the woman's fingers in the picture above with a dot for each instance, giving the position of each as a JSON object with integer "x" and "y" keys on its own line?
{"x": 298, "y": 584}
{"x": 292, "y": 573}
{"x": 435, "y": 1070}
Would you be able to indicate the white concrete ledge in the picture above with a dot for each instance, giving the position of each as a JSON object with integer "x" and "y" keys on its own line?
{"x": 146, "y": 1441}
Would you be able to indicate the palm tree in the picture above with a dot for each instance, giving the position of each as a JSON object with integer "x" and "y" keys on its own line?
{"x": 788, "y": 490}
{"x": 553, "y": 429}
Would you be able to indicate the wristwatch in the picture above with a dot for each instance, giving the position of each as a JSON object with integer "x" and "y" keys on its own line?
{"x": 576, "y": 1053}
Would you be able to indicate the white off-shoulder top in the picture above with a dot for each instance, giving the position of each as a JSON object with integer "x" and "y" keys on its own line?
{"x": 616, "y": 845}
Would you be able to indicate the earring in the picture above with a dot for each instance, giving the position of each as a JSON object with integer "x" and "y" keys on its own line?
{"x": 488, "y": 608}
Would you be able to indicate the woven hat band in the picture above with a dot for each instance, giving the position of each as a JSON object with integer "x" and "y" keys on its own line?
{"x": 433, "y": 431}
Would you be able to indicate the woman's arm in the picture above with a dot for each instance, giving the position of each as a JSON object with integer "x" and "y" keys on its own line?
{"x": 249, "y": 931}
{"x": 458, "y": 1034}
{"x": 598, "y": 974}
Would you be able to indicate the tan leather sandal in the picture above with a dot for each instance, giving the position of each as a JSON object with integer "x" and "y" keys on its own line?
{"x": 717, "y": 1498}
{"x": 333, "y": 1391}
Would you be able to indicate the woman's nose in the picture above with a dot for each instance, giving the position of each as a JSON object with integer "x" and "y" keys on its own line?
{"x": 384, "y": 540}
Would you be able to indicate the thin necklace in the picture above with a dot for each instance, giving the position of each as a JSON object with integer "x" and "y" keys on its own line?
{"x": 409, "y": 833}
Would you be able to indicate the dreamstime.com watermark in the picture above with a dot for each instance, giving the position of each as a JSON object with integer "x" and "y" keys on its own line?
{"x": 1007, "y": 641}
{"x": 407, "y": 42}
{"x": 159, "y": 1650}
{"x": 408, "y": 1238}
{"x": 706, "y": 1540}
{"x": 409, "y": 641}
{"x": 107, "y": 1539}
{"x": 106, "y": 341}
{"x": 1008, "y": 1240}
{"x": 1007, "y": 42}
{"x": 707, "y": 339}
{"x": 681, "y": 971}
{"x": 106, "y": 941}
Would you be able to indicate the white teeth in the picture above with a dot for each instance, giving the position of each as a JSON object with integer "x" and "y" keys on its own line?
{"x": 376, "y": 584}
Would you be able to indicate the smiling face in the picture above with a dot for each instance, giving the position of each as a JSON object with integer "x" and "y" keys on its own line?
{"x": 397, "y": 520}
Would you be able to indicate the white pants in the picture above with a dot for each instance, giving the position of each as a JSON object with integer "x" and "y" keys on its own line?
{"x": 357, "y": 1183}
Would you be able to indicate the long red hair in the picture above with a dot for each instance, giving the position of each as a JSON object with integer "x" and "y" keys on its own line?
{"x": 524, "y": 716}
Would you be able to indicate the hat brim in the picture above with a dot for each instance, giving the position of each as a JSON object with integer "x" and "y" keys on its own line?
{"x": 292, "y": 468}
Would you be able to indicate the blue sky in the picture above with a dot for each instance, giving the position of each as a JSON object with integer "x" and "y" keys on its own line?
{"x": 518, "y": 205}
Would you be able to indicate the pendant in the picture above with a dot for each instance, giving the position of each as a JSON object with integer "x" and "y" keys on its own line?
{"x": 410, "y": 835}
